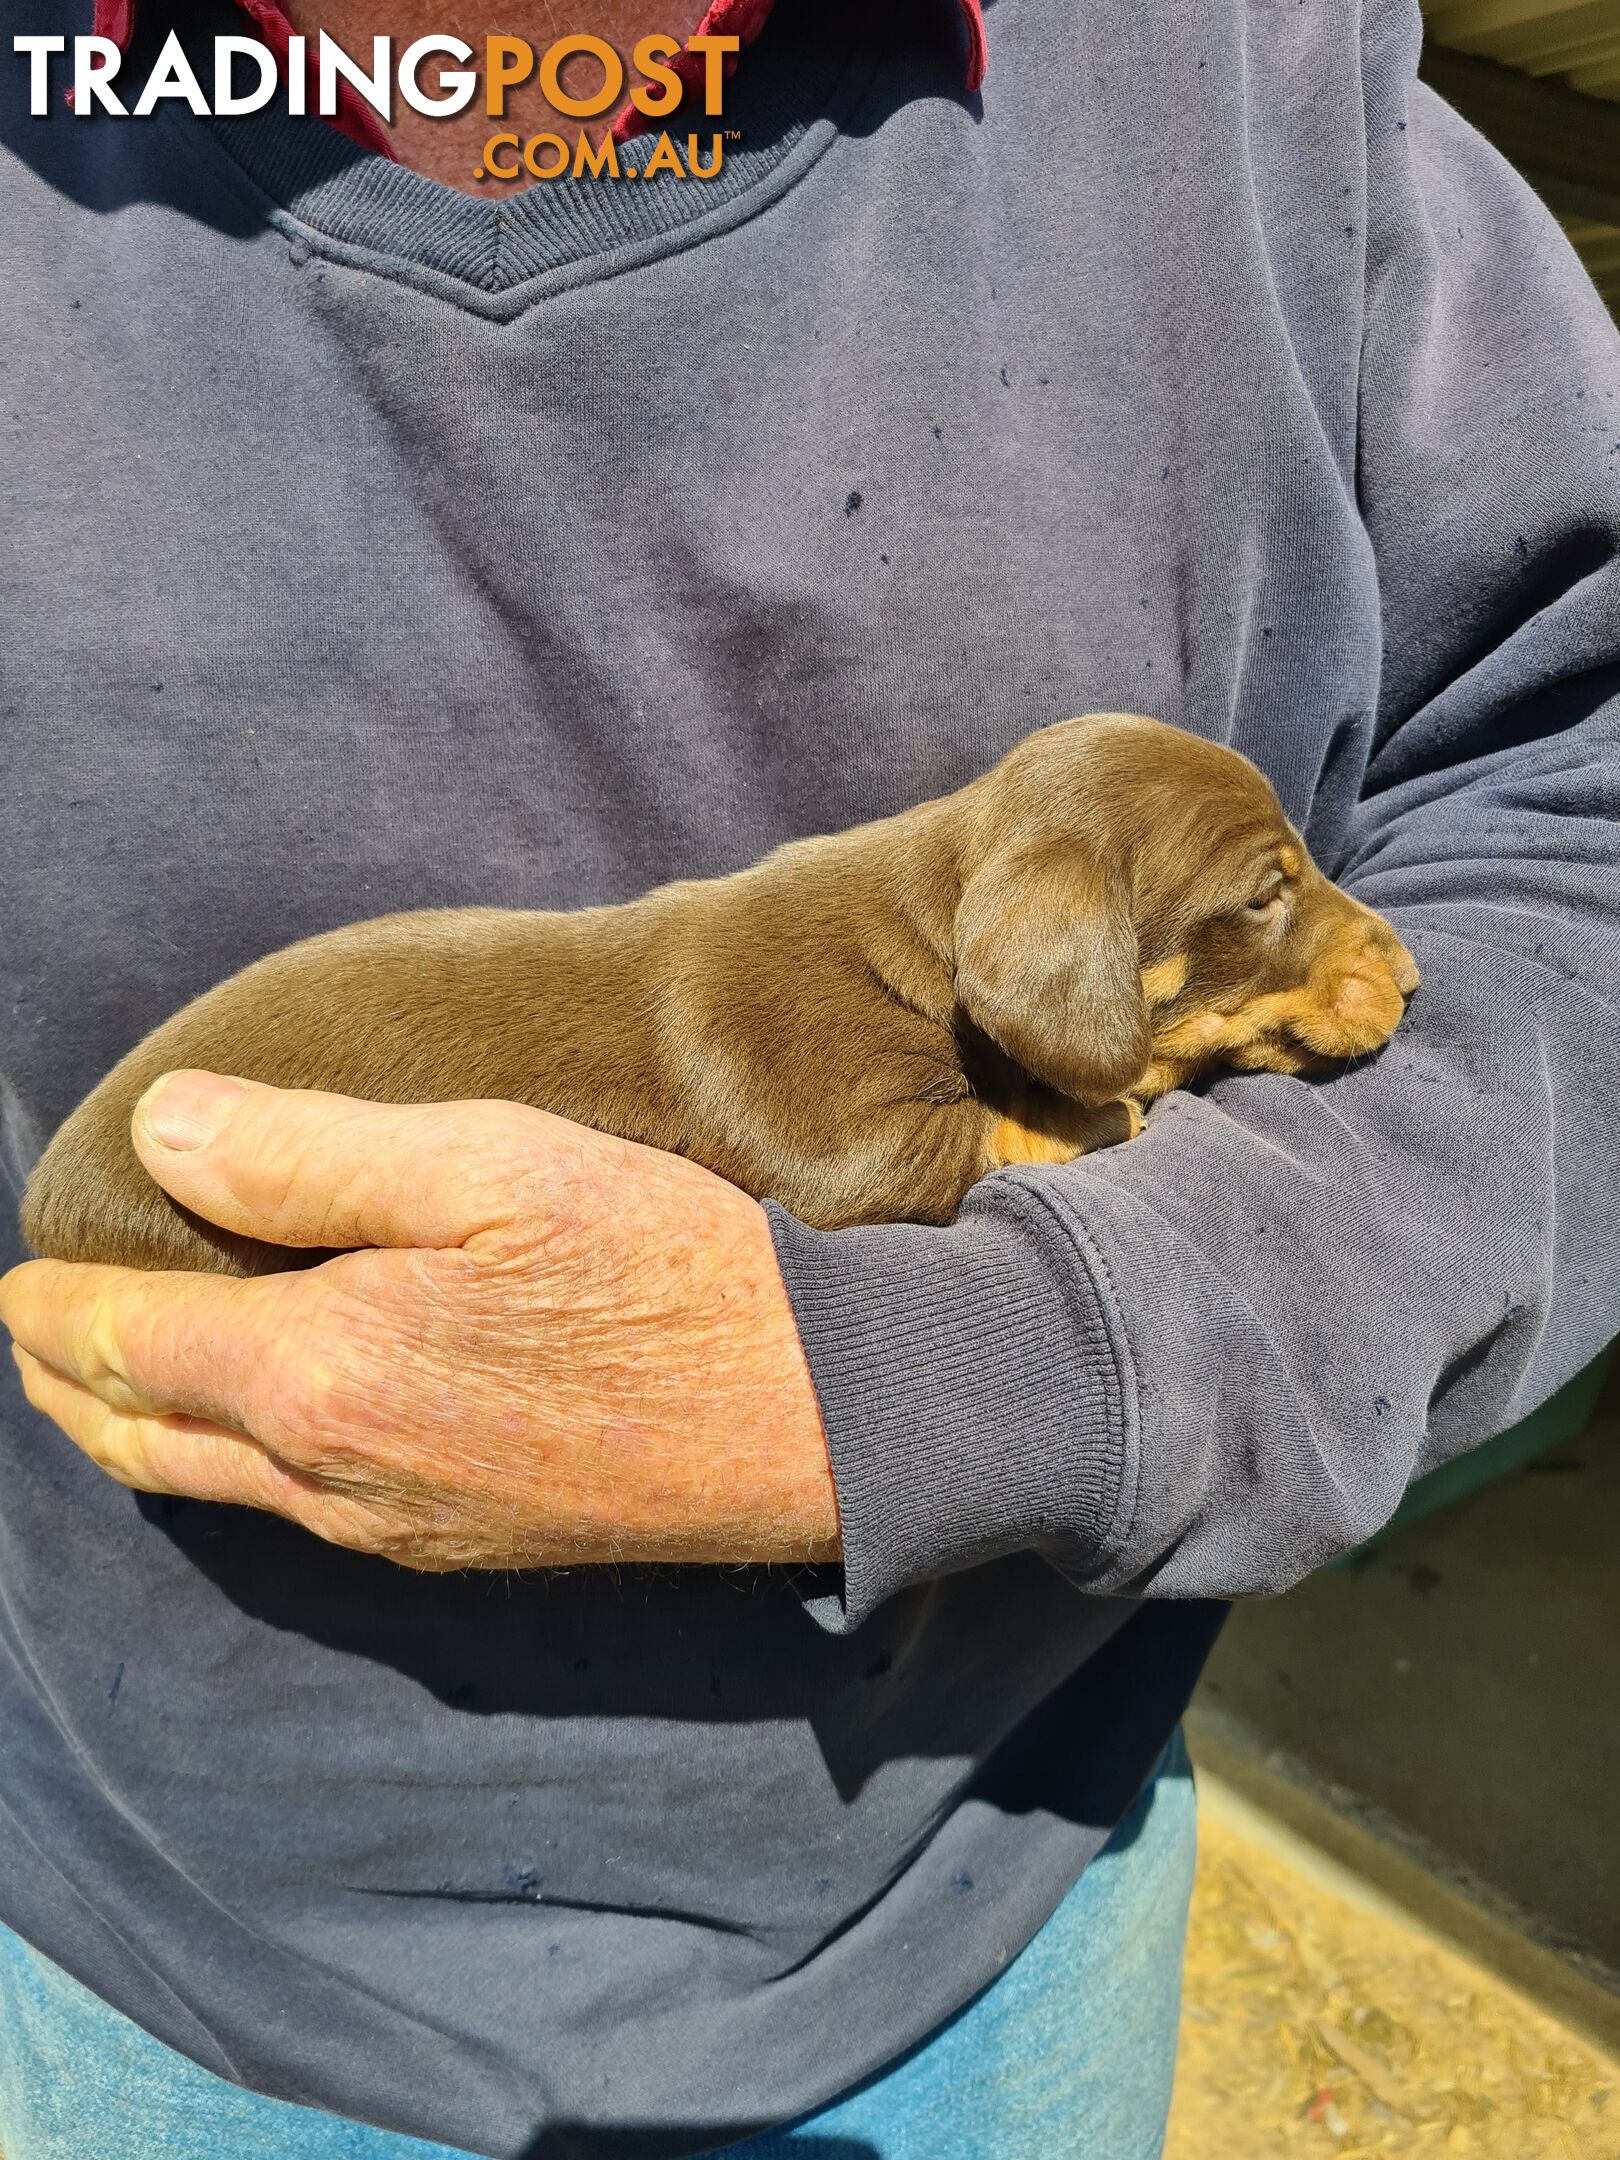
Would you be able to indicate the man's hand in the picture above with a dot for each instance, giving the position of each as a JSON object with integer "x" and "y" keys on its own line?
{"x": 555, "y": 1347}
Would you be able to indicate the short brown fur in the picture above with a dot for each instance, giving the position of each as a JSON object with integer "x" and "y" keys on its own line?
{"x": 861, "y": 1025}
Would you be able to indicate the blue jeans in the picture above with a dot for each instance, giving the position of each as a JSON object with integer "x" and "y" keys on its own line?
{"x": 1070, "y": 2051}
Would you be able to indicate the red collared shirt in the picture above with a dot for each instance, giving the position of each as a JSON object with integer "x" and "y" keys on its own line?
{"x": 742, "y": 19}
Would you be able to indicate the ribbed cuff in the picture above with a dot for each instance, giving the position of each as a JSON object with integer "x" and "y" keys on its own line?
{"x": 972, "y": 1386}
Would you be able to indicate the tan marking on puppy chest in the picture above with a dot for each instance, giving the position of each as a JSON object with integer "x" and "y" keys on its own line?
{"x": 1161, "y": 1076}
{"x": 1192, "y": 1038}
{"x": 1166, "y": 979}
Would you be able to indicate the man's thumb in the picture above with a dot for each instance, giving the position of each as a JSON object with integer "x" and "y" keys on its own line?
{"x": 293, "y": 1167}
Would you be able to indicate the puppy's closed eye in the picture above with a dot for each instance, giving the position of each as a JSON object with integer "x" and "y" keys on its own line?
{"x": 1276, "y": 885}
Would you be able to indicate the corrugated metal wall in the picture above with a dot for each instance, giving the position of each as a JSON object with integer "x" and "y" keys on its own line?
{"x": 1541, "y": 78}
{"x": 1579, "y": 44}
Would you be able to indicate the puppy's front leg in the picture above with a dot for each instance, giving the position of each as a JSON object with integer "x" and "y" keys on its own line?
{"x": 1044, "y": 1127}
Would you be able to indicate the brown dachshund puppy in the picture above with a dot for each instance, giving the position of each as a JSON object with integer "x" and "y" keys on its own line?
{"x": 860, "y": 1026}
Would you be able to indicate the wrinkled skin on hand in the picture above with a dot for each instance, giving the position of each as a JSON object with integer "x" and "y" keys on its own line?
{"x": 549, "y": 1347}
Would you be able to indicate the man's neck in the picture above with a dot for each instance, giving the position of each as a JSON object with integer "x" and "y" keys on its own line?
{"x": 451, "y": 149}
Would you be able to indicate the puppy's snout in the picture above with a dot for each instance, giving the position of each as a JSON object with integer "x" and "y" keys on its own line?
{"x": 1375, "y": 968}
{"x": 1371, "y": 977}
{"x": 1405, "y": 969}
{"x": 1362, "y": 996}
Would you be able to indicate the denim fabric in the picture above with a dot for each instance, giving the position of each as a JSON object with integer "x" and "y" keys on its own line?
{"x": 1071, "y": 2051}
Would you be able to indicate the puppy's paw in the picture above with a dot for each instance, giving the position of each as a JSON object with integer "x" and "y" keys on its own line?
{"x": 1054, "y": 1130}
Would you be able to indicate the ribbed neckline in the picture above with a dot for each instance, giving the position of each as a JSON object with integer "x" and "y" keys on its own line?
{"x": 785, "y": 101}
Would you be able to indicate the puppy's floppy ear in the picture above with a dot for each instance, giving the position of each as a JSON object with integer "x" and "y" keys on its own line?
{"x": 1048, "y": 966}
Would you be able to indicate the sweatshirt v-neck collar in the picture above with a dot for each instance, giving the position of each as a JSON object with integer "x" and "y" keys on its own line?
{"x": 810, "y": 62}
{"x": 744, "y": 19}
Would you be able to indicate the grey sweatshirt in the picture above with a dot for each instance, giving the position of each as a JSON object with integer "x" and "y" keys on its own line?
{"x": 368, "y": 546}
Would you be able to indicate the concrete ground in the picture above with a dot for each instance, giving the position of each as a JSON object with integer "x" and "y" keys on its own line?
{"x": 1457, "y": 1687}
{"x": 1406, "y": 1935}
{"x": 1319, "y": 2023}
